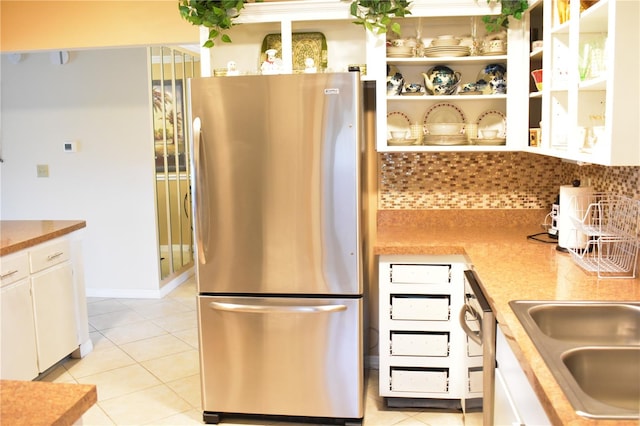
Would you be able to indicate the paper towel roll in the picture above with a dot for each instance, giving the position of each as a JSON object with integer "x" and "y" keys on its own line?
{"x": 570, "y": 206}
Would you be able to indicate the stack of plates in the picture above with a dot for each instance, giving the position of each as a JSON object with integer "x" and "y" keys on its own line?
{"x": 442, "y": 51}
{"x": 401, "y": 142}
{"x": 400, "y": 51}
{"x": 444, "y": 140}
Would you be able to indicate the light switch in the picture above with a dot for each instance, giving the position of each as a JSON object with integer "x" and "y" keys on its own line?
{"x": 42, "y": 170}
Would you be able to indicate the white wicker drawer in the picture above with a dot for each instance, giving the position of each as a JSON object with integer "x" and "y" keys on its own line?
{"x": 419, "y": 344}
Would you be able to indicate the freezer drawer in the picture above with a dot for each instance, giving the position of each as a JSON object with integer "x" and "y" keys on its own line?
{"x": 281, "y": 356}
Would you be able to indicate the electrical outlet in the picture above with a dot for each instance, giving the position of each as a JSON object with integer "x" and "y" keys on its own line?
{"x": 42, "y": 170}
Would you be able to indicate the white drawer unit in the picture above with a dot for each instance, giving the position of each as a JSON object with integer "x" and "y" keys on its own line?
{"x": 425, "y": 359}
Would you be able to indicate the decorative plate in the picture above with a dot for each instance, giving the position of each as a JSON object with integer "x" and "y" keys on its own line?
{"x": 303, "y": 46}
{"x": 398, "y": 121}
{"x": 443, "y": 113}
{"x": 493, "y": 120}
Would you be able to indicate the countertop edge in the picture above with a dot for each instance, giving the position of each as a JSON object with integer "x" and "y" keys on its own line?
{"x": 18, "y": 235}
{"x": 33, "y": 402}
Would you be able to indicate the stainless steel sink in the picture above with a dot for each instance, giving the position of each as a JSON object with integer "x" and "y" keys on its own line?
{"x": 593, "y": 351}
{"x": 590, "y": 324}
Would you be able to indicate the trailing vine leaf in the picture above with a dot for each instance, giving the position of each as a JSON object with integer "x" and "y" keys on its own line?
{"x": 515, "y": 8}
{"x": 376, "y": 15}
{"x": 216, "y": 15}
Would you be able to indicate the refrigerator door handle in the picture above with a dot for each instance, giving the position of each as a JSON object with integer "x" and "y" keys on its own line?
{"x": 199, "y": 200}
{"x": 266, "y": 308}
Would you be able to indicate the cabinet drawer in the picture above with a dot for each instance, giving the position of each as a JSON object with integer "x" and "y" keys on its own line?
{"x": 49, "y": 255}
{"x": 414, "y": 343}
{"x": 13, "y": 267}
{"x": 419, "y": 274}
{"x": 419, "y": 380}
{"x": 475, "y": 379}
{"x": 419, "y": 307}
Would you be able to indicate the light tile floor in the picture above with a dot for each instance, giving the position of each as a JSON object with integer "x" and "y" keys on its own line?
{"x": 145, "y": 366}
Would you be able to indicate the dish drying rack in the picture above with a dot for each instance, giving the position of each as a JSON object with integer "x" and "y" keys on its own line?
{"x": 607, "y": 230}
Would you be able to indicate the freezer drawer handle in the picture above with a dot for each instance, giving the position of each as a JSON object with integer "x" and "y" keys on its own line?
{"x": 237, "y": 307}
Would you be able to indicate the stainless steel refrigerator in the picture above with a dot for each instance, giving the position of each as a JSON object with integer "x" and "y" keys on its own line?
{"x": 276, "y": 188}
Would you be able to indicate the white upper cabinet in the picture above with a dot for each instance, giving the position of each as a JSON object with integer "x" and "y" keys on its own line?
{"x": 593, "y": 119}
{"x": 591, "y": 90}
{"x": 496, "y": 106}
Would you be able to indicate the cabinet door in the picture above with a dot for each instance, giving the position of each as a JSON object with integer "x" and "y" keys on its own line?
{"x": 54, "y": 312}
{"x": 18, "y": 340}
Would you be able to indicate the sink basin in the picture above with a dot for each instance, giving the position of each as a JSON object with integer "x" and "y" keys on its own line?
{"x": 590, "y": 324}
{"x": 604, "y": 373}
{"x": 593, "y": 351}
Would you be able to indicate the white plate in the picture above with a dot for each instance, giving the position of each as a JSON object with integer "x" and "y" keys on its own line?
{"x": 502, "y": 52}
{"x": 398, "y": 121}
{"x": 447, "y": 48}
{"x": 490, "y": 141}
{"x": 443, "y": 113}
{"x": 400, "y": 142}
{"x": 493, "y": 120}
{"x": 455, "y": 54}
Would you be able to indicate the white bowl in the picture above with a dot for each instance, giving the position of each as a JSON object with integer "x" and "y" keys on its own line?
{"x": 444, "y": 129}
{"x": 445, "y": 41}
{"x": 396, "y": 134}
{"x": 489, "y": 134}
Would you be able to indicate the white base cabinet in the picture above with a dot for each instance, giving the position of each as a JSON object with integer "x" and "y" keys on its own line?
{"x": 515, "y": 402}
{"x": 43, "y": 317}
{"x": 19, "y": 358}
{"x": 423, "y": 351}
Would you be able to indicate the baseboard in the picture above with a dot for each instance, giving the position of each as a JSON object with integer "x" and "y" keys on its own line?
{"x": 142, "y": 294}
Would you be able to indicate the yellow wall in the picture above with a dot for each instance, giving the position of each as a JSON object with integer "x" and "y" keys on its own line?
{"x": 28, "y": 25}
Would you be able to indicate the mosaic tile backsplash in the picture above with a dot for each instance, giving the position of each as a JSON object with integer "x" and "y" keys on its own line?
{"x": 488, "y": 180}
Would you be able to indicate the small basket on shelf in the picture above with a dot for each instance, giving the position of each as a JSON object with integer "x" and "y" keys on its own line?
{"x": 607, "y": 231}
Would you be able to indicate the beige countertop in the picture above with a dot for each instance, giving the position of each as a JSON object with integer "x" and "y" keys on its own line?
{"x": 16, "y": 235}
{"x": 44, "y": 403}
{"x": 511, "y": 267}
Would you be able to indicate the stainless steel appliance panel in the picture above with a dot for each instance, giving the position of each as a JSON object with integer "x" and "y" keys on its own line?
{"x": 479, "y": 323}
{"x": 282, "y": 356}
{"x": 277, "y": 183}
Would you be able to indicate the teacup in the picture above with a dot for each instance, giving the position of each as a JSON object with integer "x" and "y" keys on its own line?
{"x": 494, "y": 46}
{"x": 412, "y": 87}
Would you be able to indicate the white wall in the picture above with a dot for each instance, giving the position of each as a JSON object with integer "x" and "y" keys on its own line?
{"x": 100, "y": 99}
